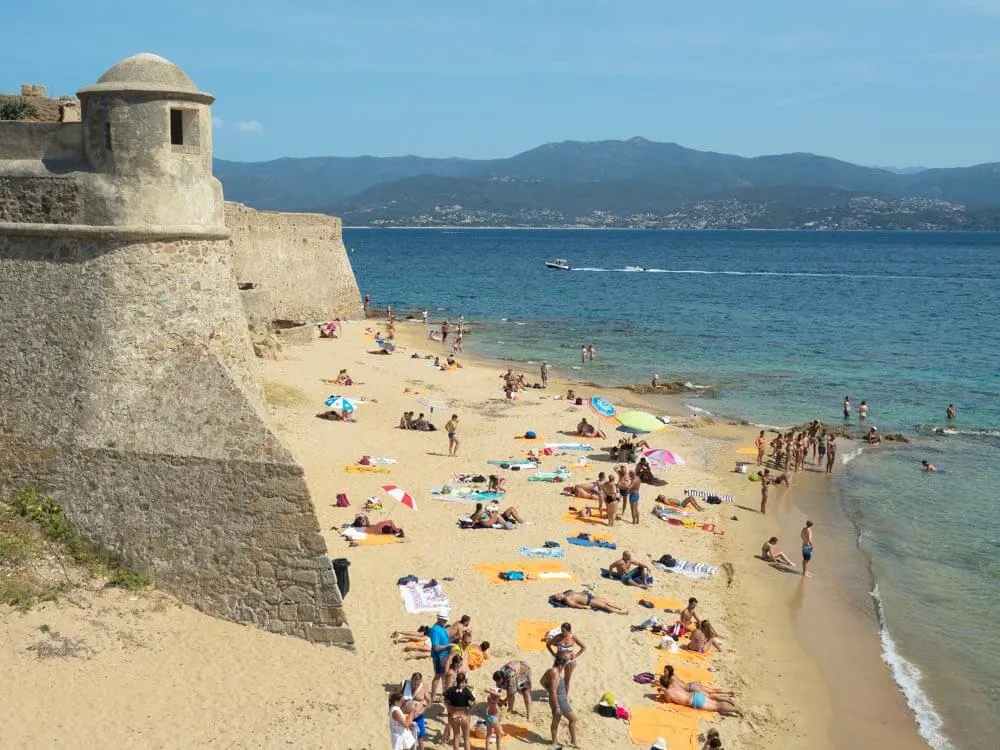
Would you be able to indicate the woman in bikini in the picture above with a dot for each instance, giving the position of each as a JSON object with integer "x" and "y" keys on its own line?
{"x": 668, "y": 680}
{"x": 697, "y": 699}
{"x": 703, "y": 638}
{"x": 566, "y": 643}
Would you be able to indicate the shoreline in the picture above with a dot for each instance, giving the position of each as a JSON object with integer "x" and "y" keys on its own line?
{"x": 878, "y": 714}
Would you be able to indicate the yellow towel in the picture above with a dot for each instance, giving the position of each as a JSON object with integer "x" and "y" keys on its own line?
{"x": 531, "y": 634}
{"x": 520, "y": 732}
{"x": 685, "y": 712}
{"x": 532, "y": 569}
{"x": 646, "y": 723}
{"x": 536, "y": 439}
{"x": 747, "y": 451}
{"x": 693, "y": 658}
{"x": 373, "y": 540}
{"x": 359, "y": 469}
{"x": 594, "y": 520}
{"x": 685, "y": 670}
{"x": 661, "y": 602}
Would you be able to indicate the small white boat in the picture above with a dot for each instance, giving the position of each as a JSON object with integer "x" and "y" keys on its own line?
{"x": 559, "y": 264}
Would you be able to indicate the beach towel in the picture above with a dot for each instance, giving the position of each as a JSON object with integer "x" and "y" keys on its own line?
{"x": 667, "y": 512}
{"x": 659, "y": 602}
{"x": 540, "y": 552}
{"x": 534, "y": 570}
{"x": 747, "y": 451}
{"x": 417, "y": 599}
{"x": 466, "y": 494}
{"x": 575, "y": 516}
{"x": 380, "y": 460}
{"x": 605, "y": 573}
{"x": 522, "y": 733}
{"x": 468, "y": 479}
{"x": 570, "y": 446}
{"x": 706, "y": 494}
{"x": 591, "y": 542}
{"x": 647, "y": 723}
{"x": 515, "y": 465}
{"x": 358, "y": 469}
{"x": 531, "y": 634}
{"x": 688, "y": 568}
{"x": 685, "y": 670}
{"x": 549, "y": 476}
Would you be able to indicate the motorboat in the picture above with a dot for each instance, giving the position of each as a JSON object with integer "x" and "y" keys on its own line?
{"x": 559, "y": 264}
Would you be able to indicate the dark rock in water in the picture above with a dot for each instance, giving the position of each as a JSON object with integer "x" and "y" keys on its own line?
{"x": 671, "y": 388}
{"x": 896, "y": 437}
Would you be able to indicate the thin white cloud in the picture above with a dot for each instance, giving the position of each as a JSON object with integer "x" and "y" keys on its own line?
{"x": 218, "y": 122}
{"x": 250, "y": 126}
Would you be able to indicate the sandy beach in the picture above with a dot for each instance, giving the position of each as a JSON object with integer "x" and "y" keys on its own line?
{"x": 107, "y": 668}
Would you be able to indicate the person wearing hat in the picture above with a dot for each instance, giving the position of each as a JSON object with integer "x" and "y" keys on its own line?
{"x": 660, "y": 744}
{"x": 440, "y": 649}
{"x": 655, "y": 382}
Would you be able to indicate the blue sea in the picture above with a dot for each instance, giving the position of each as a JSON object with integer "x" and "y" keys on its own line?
{"x": 784, "y": 325}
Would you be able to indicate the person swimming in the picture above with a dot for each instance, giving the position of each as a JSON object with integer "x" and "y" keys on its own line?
{"x": 928, "y": 466}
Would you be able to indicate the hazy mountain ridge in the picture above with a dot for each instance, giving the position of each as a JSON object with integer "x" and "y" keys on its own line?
{"x": 562, "y": 182}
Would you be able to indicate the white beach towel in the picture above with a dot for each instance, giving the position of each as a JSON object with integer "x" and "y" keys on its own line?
{"x": 555, "y": 552}
{"x": 352, "y": 533}
{"x": 417, "y": 599}
{"x": 556, "y": 574}
{"x": 688, "y": 568}
{"x": 705, "y": 493}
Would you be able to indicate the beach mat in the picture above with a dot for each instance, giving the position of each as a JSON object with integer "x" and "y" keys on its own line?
{"x": 574, "y": 517}
{"x": 595, "y": 540}
{"x": 647, "y": 723}
{"x": 377, "y": 540}
{"x": 533, "y": 570}
{"x": 521, "y": 733}
{"x": 359, "y": 469}
{"x": 542, "y": 552}
{"x": 531, "y": 634}
{"x": 523, "y": 439}
{"x": 747, "y": 451}
{"x": 682, "y": 655}
{"x": 417, "y": 599}
{"x": 707, "y": 494}
{"x": 662, "y": 602}
{"x": 684, "y": 669}
{"x": 570, "y": 446}
{"x": 689, "y": 569}
{"x": 549, "y": 476}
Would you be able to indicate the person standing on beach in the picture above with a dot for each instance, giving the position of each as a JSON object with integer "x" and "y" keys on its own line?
{"x": 583, "y": 354}
{"x": 863, "y": 411}
{"x": 445, "y": 328}
{"x": 452, "y": 429}
{"x": 610, "y": 490}
{"x": 569, "y": 647}
{"x": 765, "y": 481}
{"x": 635, "y": 484}
{"x": 821, "y": 449}
{"x": 831, "y": 453}
{"x": 544, "y": 372}
{"x": 440, "y": 649}
{"x": 807, "y": 547}
{"x": 950, "y": 413}
{"x": 368, "y": 302}
{"x": 424, "y": 319}
{"x": 555, "y": 686}
{"x": 761, "y": 443}
{"x": 847, "y": 407}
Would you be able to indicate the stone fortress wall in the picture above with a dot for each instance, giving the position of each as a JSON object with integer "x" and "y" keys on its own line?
{"x": 130, "y": 388}
{"x": 297, "y": 262}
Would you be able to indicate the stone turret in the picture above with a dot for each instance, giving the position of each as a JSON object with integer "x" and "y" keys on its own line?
{"x": 131, "y": 392}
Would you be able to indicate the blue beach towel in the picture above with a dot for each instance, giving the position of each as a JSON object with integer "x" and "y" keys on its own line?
{"x": 549, "y": 476}
{"x": 580, "y": 541}
{"x": 542, "y": 551}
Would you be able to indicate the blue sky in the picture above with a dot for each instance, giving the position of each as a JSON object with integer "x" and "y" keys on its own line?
{"x": 894, "y": 82}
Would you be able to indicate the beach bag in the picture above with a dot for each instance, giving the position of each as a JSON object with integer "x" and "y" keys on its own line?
{"x": 622, "y": 713}
{"x": 512, "y": 575}
{"x": 547, "y": 451}
{"x": 342, "y": 501}
{"x": 713, "y": 500}
{"x": 644, "y": 678}
{"x": 530, "y": 435}
{"x": 365, "y": 461}
{"x": 668, "y": 561}
{"x": 606, "y": 706}
{"x": 579, "y": 401}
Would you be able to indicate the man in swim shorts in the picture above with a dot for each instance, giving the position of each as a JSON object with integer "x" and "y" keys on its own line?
{"x": 807, "y": 547}
{"x": 452, "y": 429}
{"x": 440, "y": 649}
{"x": 629, "y": 572}
{"x": 634, "y": 485}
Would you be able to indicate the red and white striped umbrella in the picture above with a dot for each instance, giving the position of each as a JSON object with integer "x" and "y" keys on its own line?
{"x": 400, "y": 496}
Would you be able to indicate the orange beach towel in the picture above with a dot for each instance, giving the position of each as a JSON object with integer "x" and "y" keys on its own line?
{"x": 647, "y": 723}
{"x": 531, "y": 634}
{"x": 536, "y": 571}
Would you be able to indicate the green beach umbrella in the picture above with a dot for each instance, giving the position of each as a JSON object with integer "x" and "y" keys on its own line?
{"x": 640, "y": 420}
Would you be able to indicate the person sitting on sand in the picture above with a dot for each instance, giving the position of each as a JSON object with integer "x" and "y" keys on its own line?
{"x": 585, "y": 429}
{"x": 449, "y": 363}
{"x": 704, "y": 638}
{"x": 343, "y": 378}
{"x": 771, "y": 555}
{"x": 629, "y": 572}
{"x": 570, "y": 395}
{"x": 699, "y": 700}
{"x": 928, "y": 466}
{"x": 483, "y": 518}
{"x": 586, "y": 600}
{"x": 327, "y": 330}
{"x": 687, "y": 620}
{"x": 645, "y": 472}
{"x": 675, "y": 503}
{"x": 406, "y": 421}
{"x": 496, "y": 483}
{"x": 420, "y": 423}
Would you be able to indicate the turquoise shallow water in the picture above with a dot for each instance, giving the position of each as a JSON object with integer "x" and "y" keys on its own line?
{"x": 784, "y": 325}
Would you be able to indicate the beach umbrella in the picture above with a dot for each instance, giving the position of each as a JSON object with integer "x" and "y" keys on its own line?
{"x": 602, "y": 407}
{"x": 663, "y": 457}
{"x": 340, "y": 403}
{"x": 401, "y": 496}
{"x": 641, "y": 421}
{"x": 432, "y": 403}
{"x": 631, "y": 430}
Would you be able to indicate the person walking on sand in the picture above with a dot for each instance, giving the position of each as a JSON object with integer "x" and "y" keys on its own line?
{"x": 555, "y": 686}
{"x": 950, "y": 412}
{"x": 452, "y": 429}
{"x": 761, "y": 443}
{"x": 765, "y": 481}
{"x": 831, "y": 453}
{"x": 544, "y": 371}
{"x": 847, "y": 407}
{"x": 807, "y": 547}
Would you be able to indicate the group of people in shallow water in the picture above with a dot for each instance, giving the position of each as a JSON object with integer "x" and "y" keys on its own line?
{"x": 789, "y": 450}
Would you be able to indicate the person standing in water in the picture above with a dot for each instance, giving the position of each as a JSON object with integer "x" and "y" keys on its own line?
{"x": 950, "y": 413}
{"x": 807, "y": 547}
{"x": 831, "y": 453}
{"x": 863, "y": 411}
{"x": 591, "y": 352}
{"x": 452, "y": 429}
{"x": 847, "y": 407}
{"x": 544, "y": 371}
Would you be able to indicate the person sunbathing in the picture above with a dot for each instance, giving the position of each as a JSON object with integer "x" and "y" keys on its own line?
{"x": 343, "y": 378}
{"x": 483, "y": 518}
{"x": 629, "y": 572}
{"x": 668, "y": 680}
{"x": 584, "y": 491}
{"x": 585, "y": 429}
{"x": 585, "y": 600}
{"x": 698, "y": 699}
{"x": 674, "y": 502}
{"x": 703, "y": 638}
{"x": 771, "y": 555}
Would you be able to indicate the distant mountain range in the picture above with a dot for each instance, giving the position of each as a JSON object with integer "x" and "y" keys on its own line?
{"x": 621, "y": 183}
